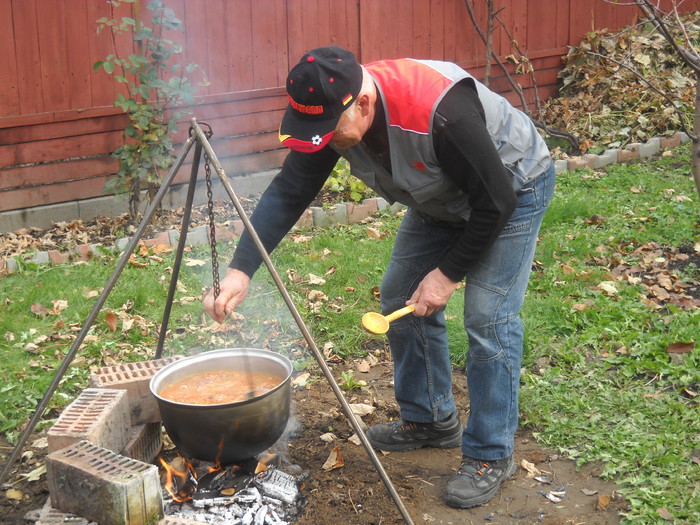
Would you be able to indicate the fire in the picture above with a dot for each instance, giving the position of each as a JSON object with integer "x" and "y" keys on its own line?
{"x": 181, "y": 478}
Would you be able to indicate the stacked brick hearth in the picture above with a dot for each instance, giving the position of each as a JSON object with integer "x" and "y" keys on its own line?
{"x": 102, "y": 448}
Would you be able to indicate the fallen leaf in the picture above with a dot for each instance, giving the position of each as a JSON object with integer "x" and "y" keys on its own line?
{"x": 335, "y": 460}
{"x": 589, "y": 492}
{"x": 227, "y": 492}
{"x": 602, "y": 502}
{"x": 665, "y": 514}
{"x": 355, "y": 440}
{"x": 111, "y": 320}
{"x": 328, "y": 437}
{"x": 301, "y": 380}
{"x": 532, "y": 470}
{"x": 374, "y": 233}
{"x": 363, "y": 366}
{"x": 195, "y": 262}
{"x": 679, "y": 348}
{"x": 39, "y": 310}
{"x": 608, "y": 287}
{"x": 316, "y": 280}
{"x": 35, "y": 475}
{"x": 91, "y": 294}
{"x": 14, "y": 494}
{"x": 361, "y": 409}
{"x": 58, "y": 306}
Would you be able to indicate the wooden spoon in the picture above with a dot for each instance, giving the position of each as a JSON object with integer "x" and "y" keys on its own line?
{"x": 376, "y": 323}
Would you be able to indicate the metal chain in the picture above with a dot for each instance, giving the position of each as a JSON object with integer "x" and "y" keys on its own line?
{"x": 212, "y": 229}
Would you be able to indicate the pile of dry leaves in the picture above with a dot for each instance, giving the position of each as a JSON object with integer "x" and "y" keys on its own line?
{"x": 606, "y": 105}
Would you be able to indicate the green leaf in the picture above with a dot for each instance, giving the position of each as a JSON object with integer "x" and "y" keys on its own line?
{"x": 108, "y": 67}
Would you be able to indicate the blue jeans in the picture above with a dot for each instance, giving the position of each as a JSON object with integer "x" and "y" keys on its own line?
{"x": 493, "y": 297}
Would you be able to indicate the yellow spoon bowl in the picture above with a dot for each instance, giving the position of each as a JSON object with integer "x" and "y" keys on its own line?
{"x": 376, "y": 323}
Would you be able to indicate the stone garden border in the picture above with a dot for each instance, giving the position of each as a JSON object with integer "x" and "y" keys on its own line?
{"x": 346, "y": 213}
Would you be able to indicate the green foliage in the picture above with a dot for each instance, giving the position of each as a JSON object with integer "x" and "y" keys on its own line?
{"x": 156, "y": 85}
{"x": 350, "y": 383}
{"x": 341, "y": 181}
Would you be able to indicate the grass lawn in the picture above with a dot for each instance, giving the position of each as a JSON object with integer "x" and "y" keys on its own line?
{"x": 611, "y": 372}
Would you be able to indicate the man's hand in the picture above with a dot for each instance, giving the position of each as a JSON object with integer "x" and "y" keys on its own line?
{"x": 234, "y": 289}
{"x": 432, "y": 293}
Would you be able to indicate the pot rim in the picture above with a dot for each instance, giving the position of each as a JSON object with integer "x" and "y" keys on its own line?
{"x": 212, "y": 354}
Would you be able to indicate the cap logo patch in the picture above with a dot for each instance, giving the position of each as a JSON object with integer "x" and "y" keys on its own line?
{"x": 347, "y": 100}
{"x": 301, "y": 108}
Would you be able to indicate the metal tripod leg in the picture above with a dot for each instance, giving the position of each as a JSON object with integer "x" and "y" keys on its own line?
{"x": 63, "y": 367}
{"x": 184, "y": 228}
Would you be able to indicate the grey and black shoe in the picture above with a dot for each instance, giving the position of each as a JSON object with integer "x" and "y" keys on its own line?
{"x": 401, "y": 435}
{"x": 477, "y": 481}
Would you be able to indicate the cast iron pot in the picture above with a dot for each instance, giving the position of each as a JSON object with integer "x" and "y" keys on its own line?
{"x": 228, "y": 432}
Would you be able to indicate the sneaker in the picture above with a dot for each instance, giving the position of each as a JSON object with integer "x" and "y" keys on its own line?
{"x": 403, "y": 435}
{"x": 477, "y": 481}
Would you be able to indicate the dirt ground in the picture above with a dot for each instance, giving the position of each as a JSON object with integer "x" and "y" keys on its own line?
{"x": 355, "y": 493}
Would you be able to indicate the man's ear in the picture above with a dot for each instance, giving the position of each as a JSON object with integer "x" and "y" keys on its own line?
{"x": 363, "y": 104}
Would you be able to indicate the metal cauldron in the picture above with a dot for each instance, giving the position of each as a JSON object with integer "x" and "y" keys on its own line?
{"x": 228, "y": 432}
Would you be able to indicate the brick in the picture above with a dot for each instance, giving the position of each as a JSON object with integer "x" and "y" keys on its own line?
{"x": 382, "y": 204}
{"x": 84, "y": 252}
{"x": 238, "y": 226}
{"x": 224, "y": 233}
{"x": 40, "y": 258}
{"x": 671, "y": 142}
{"x": 11, "y": 265}
{"x": 161, "y": 238}
{"x": 306, "y": 220}
{"x": 134, "y": 378}
{"x": 97, "y": 415}
{"x": 145, "y": 442}
{"x": 560, "y": 166}
{"x": 359, "y": 212}
{"x": 625, "y": 155}
{"x": 338, "y": 214}
{"x": 57, "y": 257}
{"x": 50, "y": 516}
{"x": 609, "y": 156}
{"x": 103, "y": 486}
{"x": 575, "y": 163}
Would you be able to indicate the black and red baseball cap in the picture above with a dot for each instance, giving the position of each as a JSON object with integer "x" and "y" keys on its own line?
{"x": 324, "y": 83}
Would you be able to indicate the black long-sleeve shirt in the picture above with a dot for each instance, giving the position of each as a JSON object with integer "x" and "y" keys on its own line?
{"x": 464, "y": 150}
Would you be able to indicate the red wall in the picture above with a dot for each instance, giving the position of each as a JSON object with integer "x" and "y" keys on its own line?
{"x": 58, "y": 125}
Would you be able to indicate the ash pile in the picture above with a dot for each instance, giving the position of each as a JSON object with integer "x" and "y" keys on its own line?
{"x": 236, "y": 497}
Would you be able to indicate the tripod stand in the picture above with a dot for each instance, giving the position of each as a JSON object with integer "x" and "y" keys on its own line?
{"x": 199, "y": 139}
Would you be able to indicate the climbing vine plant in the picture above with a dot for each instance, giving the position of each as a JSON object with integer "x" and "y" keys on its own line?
{"x": 158, "y": 86}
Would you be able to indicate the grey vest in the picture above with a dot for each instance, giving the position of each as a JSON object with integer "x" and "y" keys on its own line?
{"x": 428, "y": 189}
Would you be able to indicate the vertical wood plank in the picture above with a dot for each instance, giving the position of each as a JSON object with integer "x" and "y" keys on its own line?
{"x": 436, "y": 43}
{"x": 9, "y": 93}
{"x": 31, "y": 94}
{"x": 264, "y": 40}
{"x": 78, "y": 54}
{"x": 195, "y": 45}
{"x": 216, "y": 27}
{"x": 239, "y": 45}
{"x": 103, "y": 89}
{"x": 53, "y": 49}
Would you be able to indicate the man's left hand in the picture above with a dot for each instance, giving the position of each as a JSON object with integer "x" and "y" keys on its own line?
{"x": 432, "y": 293}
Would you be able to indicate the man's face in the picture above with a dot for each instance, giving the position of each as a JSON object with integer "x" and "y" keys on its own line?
{"x": 350, "y": 129}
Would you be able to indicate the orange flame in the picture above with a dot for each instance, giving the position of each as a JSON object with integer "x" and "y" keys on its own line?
{"x": 180, "y": 484}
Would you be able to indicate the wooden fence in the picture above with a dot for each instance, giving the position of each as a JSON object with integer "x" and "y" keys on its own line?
{"x": 58, "y": 125}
